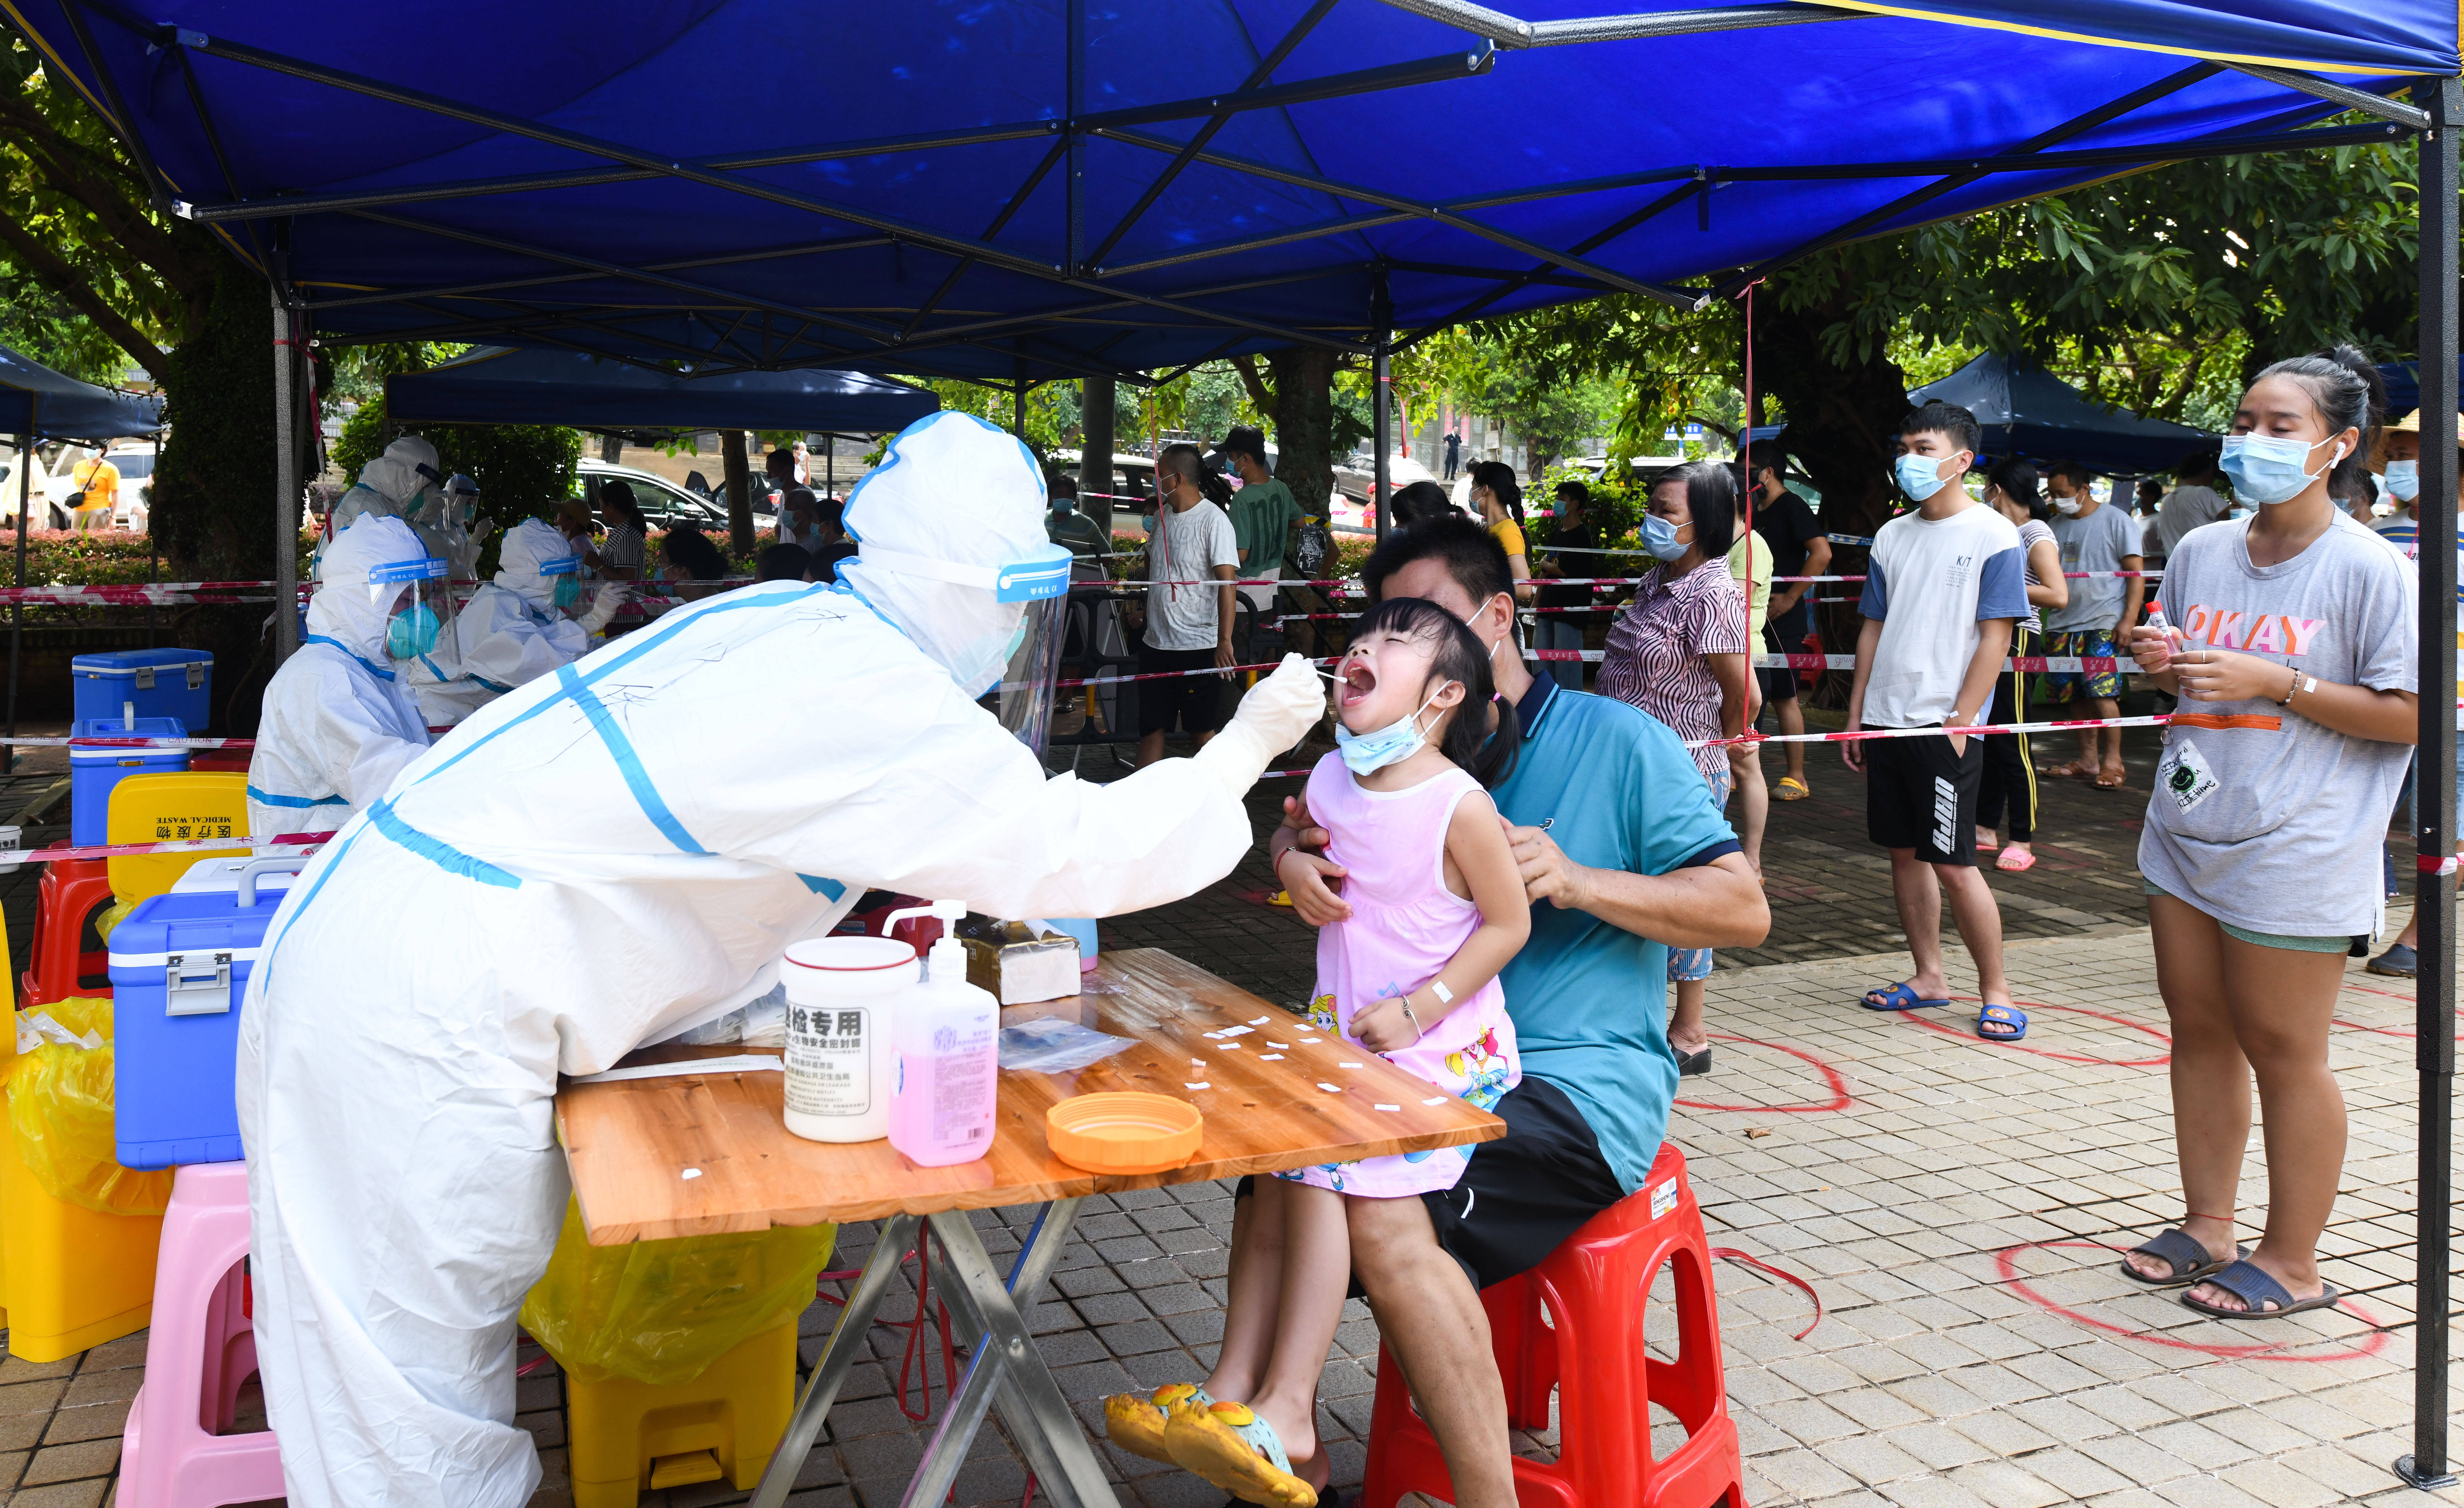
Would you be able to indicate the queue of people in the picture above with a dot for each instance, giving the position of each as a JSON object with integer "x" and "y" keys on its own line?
{"x": 1488, "y": 853}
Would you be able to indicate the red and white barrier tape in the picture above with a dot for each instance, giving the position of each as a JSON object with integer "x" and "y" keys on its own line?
{"x": 2031, "y": 664}
{"x": 197, "y": 845}
{"x": 1865, "y": 735}
{"x": 30, "y": 742}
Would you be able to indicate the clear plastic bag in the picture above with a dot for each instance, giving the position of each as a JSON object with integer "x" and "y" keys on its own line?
{"x": 1049, "y": 1045}
{"x": 660, "y": 1312}
{"x": 60, "y": 1101}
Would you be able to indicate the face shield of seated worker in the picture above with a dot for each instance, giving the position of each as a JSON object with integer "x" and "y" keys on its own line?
{"x": 414, "y": 599}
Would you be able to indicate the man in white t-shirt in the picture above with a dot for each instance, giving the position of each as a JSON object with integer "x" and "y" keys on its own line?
{"x": 1944, "y": 586}
{"x": 2192, "y": 501}
{"x": 1189, "y": 627}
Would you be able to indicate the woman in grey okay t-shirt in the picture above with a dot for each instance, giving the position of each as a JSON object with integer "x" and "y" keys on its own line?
{"x": 2293, "y": 641}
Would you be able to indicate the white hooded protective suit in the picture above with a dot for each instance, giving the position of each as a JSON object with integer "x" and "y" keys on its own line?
{"x": 620, "y": 851}
{"x": 338, "y": 724}
{"x": 389, "y": 485}
{"x": 511, "y": 631}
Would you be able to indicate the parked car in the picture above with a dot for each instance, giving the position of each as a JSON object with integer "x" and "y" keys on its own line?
{"x": 662, "y": 502}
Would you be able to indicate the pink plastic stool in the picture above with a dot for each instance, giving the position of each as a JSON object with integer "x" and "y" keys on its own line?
{"x": 201, "y": 1350}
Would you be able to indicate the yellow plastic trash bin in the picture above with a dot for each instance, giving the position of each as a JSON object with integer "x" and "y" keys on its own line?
{"x": 625, "y": 1438}
{"x": 71, "y": 1278}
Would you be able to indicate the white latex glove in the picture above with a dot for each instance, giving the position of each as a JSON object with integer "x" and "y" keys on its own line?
{"x": 481, "y": 530}
{"x": 612, "y": 597}
{"x": 1275, "y": 715}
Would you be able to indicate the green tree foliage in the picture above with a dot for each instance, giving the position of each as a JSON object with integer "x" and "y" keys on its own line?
{"x": 523, "y": 470}
{"x": 2158, "y": 291}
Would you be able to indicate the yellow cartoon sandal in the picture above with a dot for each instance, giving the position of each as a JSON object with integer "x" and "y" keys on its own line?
{"x": 1221, "y": 1443}
{"x": 1136, "y": 1424}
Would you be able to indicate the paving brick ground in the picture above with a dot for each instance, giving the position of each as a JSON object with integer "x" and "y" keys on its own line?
{"x": 1955, "y": 1214}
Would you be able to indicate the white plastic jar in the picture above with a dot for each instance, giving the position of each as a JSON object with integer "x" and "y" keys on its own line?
{"x": 840, "y": 994}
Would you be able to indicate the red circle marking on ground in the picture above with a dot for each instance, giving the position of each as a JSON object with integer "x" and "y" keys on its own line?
{"x": 2006, "y": 1262}
{"x": 1831, "y": 1076}
{"x": 2046, "y": 1052}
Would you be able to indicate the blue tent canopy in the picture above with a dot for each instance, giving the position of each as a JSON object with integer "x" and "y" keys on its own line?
{"x": 1029, "y": 189}
{"x": 2028, "y": 411}
{"x": 495, "y": 384}
{"x": 36, "y": 399}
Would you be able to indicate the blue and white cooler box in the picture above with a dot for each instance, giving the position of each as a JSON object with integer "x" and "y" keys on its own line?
{"x": 145, "y": 683}
{"x": 178, "y": 966}
{"x": 93, "y": 773}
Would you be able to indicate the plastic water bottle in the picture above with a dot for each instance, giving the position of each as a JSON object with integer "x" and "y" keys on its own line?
{"x": 945, "y": 1085}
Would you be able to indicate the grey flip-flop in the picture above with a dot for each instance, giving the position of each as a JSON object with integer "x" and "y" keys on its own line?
{"x": 2188, "y": 1261}
{"x": 2252, "y": 1287}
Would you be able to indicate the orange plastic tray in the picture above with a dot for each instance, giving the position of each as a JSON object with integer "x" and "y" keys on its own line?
{"x": 1124, "y": 1132}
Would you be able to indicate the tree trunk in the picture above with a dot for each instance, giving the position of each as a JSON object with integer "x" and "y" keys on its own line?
{"x": 1305, "y": 426}
{"x": 740, "y": 489}
{"x": 214, "y": 482}
{"x": 1099, "y": 410}
{"x": 1841, "y": 419}
{"x": 611, "y": 449}
{"x": 1840, "y": 423}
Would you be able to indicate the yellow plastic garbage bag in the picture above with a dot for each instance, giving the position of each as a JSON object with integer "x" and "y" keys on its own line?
{"x": 59, "y": 1092}
{"x": 660, "y": 1312}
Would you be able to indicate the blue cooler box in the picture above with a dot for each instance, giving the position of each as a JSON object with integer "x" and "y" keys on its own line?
{"x": 179, "y": 966}
{"x": 160, "y": 683}
{"x": 94, "y": 772}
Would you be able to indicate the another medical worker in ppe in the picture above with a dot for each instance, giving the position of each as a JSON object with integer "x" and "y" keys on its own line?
{"x": 401, "y": 483}
{"x": 619, "y": 852}
{"x": 339, "y": 720}
{"x": 532, "y": 618}
{"x": 447, "y": 522}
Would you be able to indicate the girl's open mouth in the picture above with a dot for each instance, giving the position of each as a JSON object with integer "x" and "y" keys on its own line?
{"x": 1357, "y": 680}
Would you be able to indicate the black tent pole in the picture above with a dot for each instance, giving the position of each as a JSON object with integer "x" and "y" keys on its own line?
{"x": 2435, "y": 903}
{"x": 16, "y": 609}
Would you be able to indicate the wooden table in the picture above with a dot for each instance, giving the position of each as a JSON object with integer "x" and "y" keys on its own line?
{"x": 699, "y": 1153}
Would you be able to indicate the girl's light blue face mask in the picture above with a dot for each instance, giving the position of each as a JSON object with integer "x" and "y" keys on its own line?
{"x": 2269, "y": 468}
{"x": 1920, "y": 476}
{"x": 2403, "y": 480}
{"x": 1660, "y": 538}
{"x": 1366, "y": 753}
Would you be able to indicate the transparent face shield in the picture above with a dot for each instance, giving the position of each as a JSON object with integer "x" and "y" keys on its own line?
{"x": 414, "y": 599}
{"x": 562, "y": 577}
{"x": 1026, "y": 692}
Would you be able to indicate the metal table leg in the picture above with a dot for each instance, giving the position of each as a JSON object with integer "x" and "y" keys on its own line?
{"x": 993, "y": 1319}
{"x": 847, "y": 1341}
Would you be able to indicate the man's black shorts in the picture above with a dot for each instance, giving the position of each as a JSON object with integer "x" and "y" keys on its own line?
{"x": 1522, "y": 1194}
{"x": 1921, "y": 796}
{"x": 1779, "y": 685}
{"x": 1194, "y": 702}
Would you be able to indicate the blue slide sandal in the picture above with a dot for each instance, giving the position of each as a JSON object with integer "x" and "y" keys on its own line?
{"x": 1897, "y": 997}
{"x": 2013, "y": 1022}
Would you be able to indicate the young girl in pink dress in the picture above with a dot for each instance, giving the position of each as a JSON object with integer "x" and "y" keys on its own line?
{"x": 1437, "y": 910}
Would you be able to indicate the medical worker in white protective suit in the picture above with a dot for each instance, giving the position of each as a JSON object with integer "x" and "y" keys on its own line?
{"x": 617, "y": 853}
{"x": 517, "y": 627}
{"x": 405, "y": 481}
{"x": 340, "y": 721}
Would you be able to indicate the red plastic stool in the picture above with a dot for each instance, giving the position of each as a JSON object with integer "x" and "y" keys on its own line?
{"x": 1596, "y": 1285}
{"x": 66, "y": 957}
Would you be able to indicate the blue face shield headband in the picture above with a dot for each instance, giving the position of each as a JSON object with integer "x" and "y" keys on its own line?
{"x": 566, "y": 587}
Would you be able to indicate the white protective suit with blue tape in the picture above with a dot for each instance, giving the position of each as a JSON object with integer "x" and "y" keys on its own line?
{"x": 513, "y": 630}
{"x": 338, "y": 723}
{"x": 618, "y": 852}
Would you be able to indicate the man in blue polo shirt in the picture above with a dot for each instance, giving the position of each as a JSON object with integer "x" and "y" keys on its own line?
{"x": 1622, "y": 854}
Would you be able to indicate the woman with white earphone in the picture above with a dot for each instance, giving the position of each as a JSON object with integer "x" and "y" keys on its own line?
{"x": 2292, "y": 639}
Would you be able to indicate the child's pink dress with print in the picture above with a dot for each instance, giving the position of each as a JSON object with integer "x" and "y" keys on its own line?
{"x": 1405, "y": 926}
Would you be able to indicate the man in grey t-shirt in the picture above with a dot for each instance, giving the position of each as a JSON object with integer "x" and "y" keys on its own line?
{"x": 2100, "y": 540}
